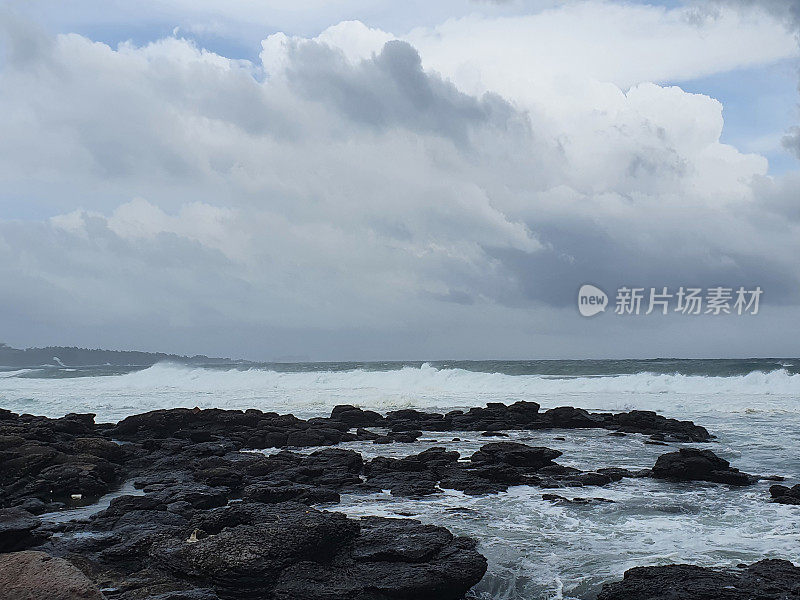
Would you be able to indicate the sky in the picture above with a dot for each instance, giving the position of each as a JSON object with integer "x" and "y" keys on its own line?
{"x": 377, "y": 180}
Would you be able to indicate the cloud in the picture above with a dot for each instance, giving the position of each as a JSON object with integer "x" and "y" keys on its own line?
{"x": 619, "y": 43}
{"x": 351, "y": 192}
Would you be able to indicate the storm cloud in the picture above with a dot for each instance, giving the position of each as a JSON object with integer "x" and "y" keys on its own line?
{"x": 360, "y": 194}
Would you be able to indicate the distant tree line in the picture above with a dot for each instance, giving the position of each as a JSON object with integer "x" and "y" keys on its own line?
{"x": 78, "y": 357}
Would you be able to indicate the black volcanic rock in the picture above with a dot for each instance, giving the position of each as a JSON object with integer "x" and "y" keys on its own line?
{"x": 692, "y": 464}
{"x": 659, "y": 427}
{"x": 556, "y": 499}
{"x": 406, "y": 437}
{"x": 44, "y": 462}
{"x": 356, "y": 417}
{"x": 284, "y": 491}
{"x": 257, "y": 429}
{"x": 246, "y": 559}
{"x": 764, "y": 580}
{"x": 570, "y": 418}
{"x": 291, "y": 551}
{"x": 390, "y": 559}
{"x": 515, "y": 455}
{"x": 785, "y": 495}
{"x": 213, "y": 522}
{"x": 16, "y": 529}
{"x": 492, "y": 469}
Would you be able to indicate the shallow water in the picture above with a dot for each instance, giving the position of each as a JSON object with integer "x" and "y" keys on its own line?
{"x": 80, "y": 513}
{"x": 536, "y": 549}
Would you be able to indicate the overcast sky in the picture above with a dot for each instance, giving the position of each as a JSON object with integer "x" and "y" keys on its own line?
{"x": 373, "y": 179}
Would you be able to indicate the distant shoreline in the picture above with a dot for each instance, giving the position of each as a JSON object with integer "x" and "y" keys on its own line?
{"x": 72, "y": 356}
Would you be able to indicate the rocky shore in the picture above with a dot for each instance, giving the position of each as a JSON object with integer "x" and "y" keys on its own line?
{"x": 205, "y": 520}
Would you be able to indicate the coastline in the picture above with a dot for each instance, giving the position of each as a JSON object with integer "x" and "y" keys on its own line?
{"x": 202, "y": 504}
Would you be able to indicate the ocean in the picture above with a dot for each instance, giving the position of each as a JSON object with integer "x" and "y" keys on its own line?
{"x": 535, "y": 549}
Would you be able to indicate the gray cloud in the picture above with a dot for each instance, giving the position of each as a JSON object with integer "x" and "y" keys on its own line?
{"x": 391, "y": 90}
{"x": 347, "y": 209}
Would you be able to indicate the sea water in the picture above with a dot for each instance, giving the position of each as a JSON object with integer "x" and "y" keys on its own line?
{"x": 536, "y": 549}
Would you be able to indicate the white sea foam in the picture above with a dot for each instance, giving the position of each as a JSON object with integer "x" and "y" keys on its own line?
{"x": 316, "y": 392}
{"x": 535, "y": 549}
{"x": 4, "y": 374}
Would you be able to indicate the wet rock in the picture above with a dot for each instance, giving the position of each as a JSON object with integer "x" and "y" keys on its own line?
{"x": 366, "y": 435}
{"x": 247, "y": 559}
{"x": 220, "y": 477}
{"x": 404, "y": 540}
{"x": 291, "y": 551}
{"x": 414, "y": 488}
{"x": 356, "y": 417}
{"x": 82, "y": 475}
{"x": 616, "y": 473}
{"x": 16, "y": 529}
{"x": 125, "y": 504}
{"x": 405, "y": 437}
{"x": 785, "y": 495}
{"x": 764, "y": 580}
{"x": 410, "y": 419}
{"x": 413, "y": 566}
{"x": 196, "y": 494}
{"x": 308, "y": 437}
{"x": 49, "y": 460}
{"x": 594, "y": 478}
{"x": 515, "y": 455}
{"x": 555, "y": 498}
{"x": 431, "y": 458}
{"x": 692, "y": 464}
{"x": 283, "y": 492}
{"x": 215, "y": 522}
{"x": 37, "y": 576}
{"x": 190, "y": 594}
{"x": 99, "y": 447}
{"x": 658, "y": 427}
{"x": 571, "y": 418}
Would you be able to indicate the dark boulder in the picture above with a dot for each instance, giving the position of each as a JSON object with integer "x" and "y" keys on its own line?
{"x": 404, "y": 540}
{"x": 356, "y": 417}
{"x": 247, "y": 559}
{"x": 764, "y": 580}
{"x": 16, "y": 529}
{"x": 556, "y": 499}
{"x": 220, "y": 477}
{"x": 404, "y": 437}
{"x": 659, "y": 428}
{"x": 692, "y": 464}
{"x": 515, "y": 455}
{"x": 785, "y": 495}
{"x": 390, "y": 560}
{"x": 569, "y": 417}
{"x": 102, "y": 448}
{"x": 285, "y": 491}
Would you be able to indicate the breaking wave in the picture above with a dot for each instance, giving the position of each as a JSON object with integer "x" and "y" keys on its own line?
{"x": 167, "y": 385}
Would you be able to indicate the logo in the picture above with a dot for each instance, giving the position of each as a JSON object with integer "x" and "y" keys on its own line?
{"x": 591, "y": 300}
{"x": 684, "y": 300}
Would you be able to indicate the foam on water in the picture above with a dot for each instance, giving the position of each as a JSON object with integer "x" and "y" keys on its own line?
{"x": 539, "y": 550}
{"x": 316, "y": 392}
{"x": 536, "y": 550}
